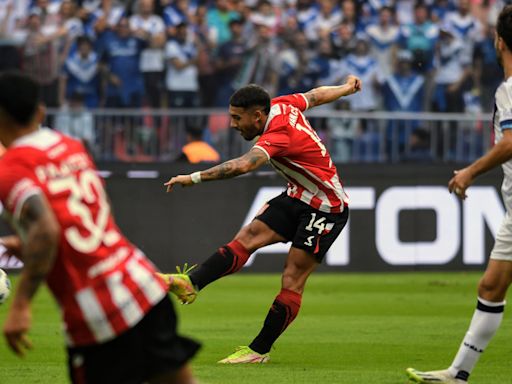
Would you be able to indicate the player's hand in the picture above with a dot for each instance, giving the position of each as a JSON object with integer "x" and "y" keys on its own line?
{"x": 184, "y": 180}
{"x": 17, "y": 324}
{"x": 460, "y": 182}
{"x": 354, "y": 84}
{"x": 12, "y": 245}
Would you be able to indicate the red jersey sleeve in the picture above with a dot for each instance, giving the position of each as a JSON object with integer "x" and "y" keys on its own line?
{"x": 18, "y": 184}
{"x": 298, "y": 100}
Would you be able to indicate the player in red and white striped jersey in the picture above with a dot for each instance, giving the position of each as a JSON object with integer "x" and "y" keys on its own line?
{"x": 107, "y": 289}
{"x": 310, "y": 214}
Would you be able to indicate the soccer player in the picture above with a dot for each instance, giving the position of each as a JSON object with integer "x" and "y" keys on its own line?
{"x": 120, "y": 325}
{"x": 498, "y": 276}
{"x": 310, "y": 214}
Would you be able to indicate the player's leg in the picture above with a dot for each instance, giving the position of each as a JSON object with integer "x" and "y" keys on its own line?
{"x": 286, "y": 305}
{"x": 315, "y": 233}
{"x": 487, "y": 316}
{"x": 231, "y": 257}
{"x": 270, "y": 226}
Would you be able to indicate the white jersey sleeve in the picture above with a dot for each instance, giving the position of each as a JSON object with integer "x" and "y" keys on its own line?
{"x": 504, "y": 105}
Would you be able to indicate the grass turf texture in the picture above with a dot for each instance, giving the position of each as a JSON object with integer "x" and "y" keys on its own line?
{"x": 352, "y": 328}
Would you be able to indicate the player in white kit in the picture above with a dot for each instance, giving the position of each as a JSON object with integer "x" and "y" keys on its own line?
{"x": 498, "y": 276}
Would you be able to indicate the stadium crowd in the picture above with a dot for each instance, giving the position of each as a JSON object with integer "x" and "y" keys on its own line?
{"x": 432, "y": 55}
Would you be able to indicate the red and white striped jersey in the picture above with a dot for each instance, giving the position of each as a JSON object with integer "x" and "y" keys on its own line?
{"x": 297, "y": 153}
{"x": 103, "y": 283}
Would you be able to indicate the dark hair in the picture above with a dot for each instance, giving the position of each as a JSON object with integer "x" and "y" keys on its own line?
{"x": 250, "y": 96}
{"x": 19, "y": 96}
{"x": 195, "y": 132}
{"x": 83, "y": 40}
{"x": 504, "y": 25}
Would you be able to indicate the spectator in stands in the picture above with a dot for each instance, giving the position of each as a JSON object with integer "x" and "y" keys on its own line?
{"x": 342, "y": 132}
{"x": 76, "y": 121}
{"x": 373, "y": 7}
{"x": 440, "y": 9}
{"x": 48, "y": 12}
{"x": 265, "y": 14}
{"x": 67, "y": 19}
{"x": 305, "y": 13}
{"x": 49, "y": 7}
{"x": 150, "y": 27}
{"x": 102, "y": 17}
{"x": 383, "y": 36}
{"x": 453, "y": 70}
{"x": 451, "y": 80}
{"x": 177, "y": 12}
{"x": 343, "y": 40}
{"x": 465, "y": 26}
{"x": 420, "y": 38}
{"x": 80, "y": 74}
{"x": 182, "y": 82}
{"x": 260, "y": 66}
{"x": 293, "y": 65}
{"x": 350, "y": 14}
{"x": 488, "y": 73}
{"x": 328, "y": 17}
{"x": 219, "y": 17}
{"x": 40, "y": 56}
{"x": 229, "y": 61}
{"x": 206, "y": 65}
{"x": 403, "y": 90}
{"x": 125, "y": 84}
{"x": 197, "y": 150}
{"x": 319, "y": 67}
{"x": 12, "y": 35}
{"x": 363, "y": 65}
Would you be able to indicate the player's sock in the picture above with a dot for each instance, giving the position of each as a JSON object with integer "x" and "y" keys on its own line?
{"x": 283, "y": 311}
{"x": 486, "y": 321}
{"x": 228, "y": 259}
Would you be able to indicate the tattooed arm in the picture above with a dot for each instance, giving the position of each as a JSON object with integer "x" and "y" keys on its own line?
{"x": 39, "y": 250}
{"x": 252, "y": 160}
{"x": 327, "y": 94}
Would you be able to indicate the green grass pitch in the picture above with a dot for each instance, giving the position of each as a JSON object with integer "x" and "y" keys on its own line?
{"x": 352, "y": 328}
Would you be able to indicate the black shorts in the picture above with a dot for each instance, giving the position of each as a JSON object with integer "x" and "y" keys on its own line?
{"x": 307, "y": 228}
{"x": 149, "y": 349}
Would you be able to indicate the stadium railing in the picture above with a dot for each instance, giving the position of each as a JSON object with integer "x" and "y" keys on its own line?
{"x": 145, "y": 135}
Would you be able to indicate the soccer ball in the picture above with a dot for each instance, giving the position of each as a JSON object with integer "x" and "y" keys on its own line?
{"x": 5, "y": 286}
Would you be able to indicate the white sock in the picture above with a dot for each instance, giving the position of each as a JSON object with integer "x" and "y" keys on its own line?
{"x": 486, "y": 321}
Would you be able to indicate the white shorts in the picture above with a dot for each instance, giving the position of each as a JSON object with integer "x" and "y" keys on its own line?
{"x": 502, "y": 249}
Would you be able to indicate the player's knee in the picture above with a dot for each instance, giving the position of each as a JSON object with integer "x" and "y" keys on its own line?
{"x": 492, "y": 289}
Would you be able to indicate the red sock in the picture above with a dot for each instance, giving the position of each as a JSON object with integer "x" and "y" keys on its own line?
{"x": 227, "y": 260}
{"x": 241, "y": 255}
{"x": 283, "y": 311}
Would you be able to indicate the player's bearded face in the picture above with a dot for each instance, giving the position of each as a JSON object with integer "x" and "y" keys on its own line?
{"x": 245, "y": 122}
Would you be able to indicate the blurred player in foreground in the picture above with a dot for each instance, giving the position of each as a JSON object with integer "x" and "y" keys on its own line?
{"x": 310, "y": 214}
{"x": 119, "y": 322}
{"x": 498, "y": 276}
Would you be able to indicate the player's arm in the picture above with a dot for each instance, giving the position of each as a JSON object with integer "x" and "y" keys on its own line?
{"x": 252, "y": 160}
{"x": 327, "y": 94}
{"x": 39, "y": 249}
{"x": 499, "y": 154}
